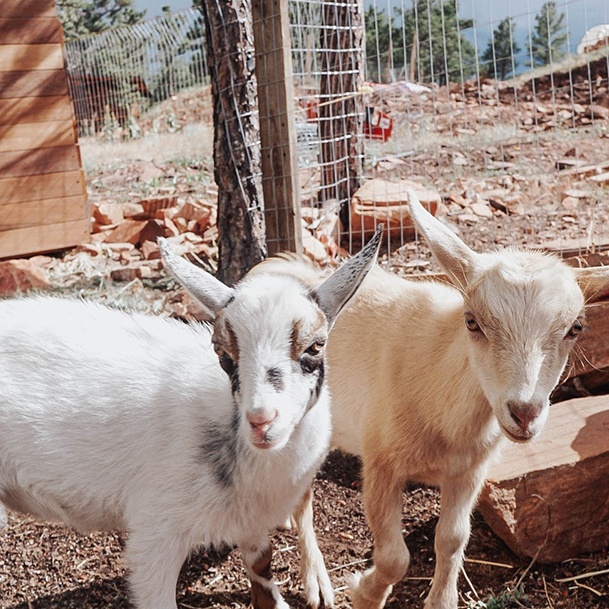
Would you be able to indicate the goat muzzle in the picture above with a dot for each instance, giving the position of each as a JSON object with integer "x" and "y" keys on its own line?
{"x": 523, "y": 414}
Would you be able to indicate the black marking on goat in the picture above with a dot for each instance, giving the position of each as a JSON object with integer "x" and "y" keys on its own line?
{"x": 227, "y": 364}
{"x": 321, "y": 373}
{"x": 274, "y": 376}
{"x": 311, "y": 363}
{"x": 220, "y": 448}
{"x": 235, "y": 383}
{"x": 312, "y": 295}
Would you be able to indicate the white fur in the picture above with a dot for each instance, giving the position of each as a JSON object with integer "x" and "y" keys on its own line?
{"x": 122, "y": 421}
{"x": 420, "y": 397}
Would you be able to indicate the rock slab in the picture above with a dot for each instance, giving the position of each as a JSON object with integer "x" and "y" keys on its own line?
{"x": 549, "y": 499}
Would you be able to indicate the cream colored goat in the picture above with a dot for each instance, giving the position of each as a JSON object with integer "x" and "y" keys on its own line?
{"x": 427, "y": 378}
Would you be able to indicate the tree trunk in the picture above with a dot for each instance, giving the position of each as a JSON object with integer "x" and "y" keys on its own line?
{"x": 229, "y": 44}
{"x": 340, "y": 108}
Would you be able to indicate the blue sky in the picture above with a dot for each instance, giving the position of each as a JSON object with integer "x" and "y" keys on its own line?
{"x": 154, "y": 7}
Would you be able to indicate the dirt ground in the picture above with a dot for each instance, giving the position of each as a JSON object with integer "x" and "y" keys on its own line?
{"x": 43, "y": 566}
{"x": 48, "y": 567}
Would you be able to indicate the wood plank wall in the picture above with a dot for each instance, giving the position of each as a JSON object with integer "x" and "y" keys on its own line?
{"x": 43, "y": 204}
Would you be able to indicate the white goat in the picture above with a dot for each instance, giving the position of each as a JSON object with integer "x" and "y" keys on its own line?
{"x": 117, "y": 421}
{"x": 426, "y": 378}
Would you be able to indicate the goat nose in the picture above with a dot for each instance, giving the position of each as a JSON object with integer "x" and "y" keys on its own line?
{"x": 523, "y": 413}
{"x": 262, "y": 418}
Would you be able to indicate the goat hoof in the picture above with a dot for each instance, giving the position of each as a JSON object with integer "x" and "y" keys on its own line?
{"x": 319, "y": 587}
{"x": 444, "y": 603}
{"x": 446, "y": 598}
{"x": 355, "y": 585}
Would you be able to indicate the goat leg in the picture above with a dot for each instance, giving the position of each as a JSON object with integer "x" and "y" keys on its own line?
{"x": 313, "y": 573}
{"x": 155, "y": 561}
{"x": 257, "y": 560}
{"x": 459, "y": 493}
{"x": 383, "y": 505}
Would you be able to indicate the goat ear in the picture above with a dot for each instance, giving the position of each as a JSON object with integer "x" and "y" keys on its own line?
{"x": 336, "y": 291}
{"x": 593, "y": 282}
{"x": 453, "y": 255}
{"x": 203, "y": 286}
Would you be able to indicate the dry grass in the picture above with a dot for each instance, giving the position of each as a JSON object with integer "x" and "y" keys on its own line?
{"x": 194, "y": 141}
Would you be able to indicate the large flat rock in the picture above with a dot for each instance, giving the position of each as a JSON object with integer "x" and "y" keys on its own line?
{"x": 549, "y": 499}
{"x": 379, "y": 201}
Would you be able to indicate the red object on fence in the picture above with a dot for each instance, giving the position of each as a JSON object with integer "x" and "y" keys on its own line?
{"x": 312, "y": 111}
{"x": 378, "y": 125}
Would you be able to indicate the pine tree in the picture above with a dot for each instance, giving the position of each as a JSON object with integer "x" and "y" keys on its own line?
{"x": 384, "y": 43}
{"x": 501, "y": 50}
{"x": 549, "y": 39}
{"x": 444, "y": 54}
{"x": 82, "y": 17}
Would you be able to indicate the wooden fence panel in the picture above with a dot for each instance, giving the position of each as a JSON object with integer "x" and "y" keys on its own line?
{"x": 25, "y": 214}
{"x": 43, "y": 204}
{"x": 44, "y": 237}
{"x": 17, "y": 163}
{"x": 26, "y": 9}
{"x": 43, "y": 30}
{"x": 30, "y": 57}
{"x": 38, "y": 187}
{"x": 30, "y": 110}
{"x": 36, "y": 135}
{"x": 36, "y": 83}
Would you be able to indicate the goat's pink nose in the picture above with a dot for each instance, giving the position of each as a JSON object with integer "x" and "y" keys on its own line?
{"x": 523, "y": 413}
{"x": 261, "y": 418}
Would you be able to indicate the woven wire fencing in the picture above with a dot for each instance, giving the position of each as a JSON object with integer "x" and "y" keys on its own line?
{"x": 497, "y": 112}
{"x": 116, "y": 76}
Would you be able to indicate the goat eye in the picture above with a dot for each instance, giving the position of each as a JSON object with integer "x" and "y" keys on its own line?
{"x": 312, "y": 358}
{"x": 471, "y": 323}
{"x": 316, "y": 348}
{"x": 576, "y": 329}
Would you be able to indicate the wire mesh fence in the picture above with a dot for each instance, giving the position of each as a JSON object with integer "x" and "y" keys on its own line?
{"x": 493, "y": 109}
{"x": 115, "y": 76}
{"x": 497, "y": 111}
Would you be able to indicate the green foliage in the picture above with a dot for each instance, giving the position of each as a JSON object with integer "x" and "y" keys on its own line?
{"x": 549, "y": 38}
{"x": 180, "y": 57}
{"x": 384, "y": 44}
{"x": 444, "y": 54}
{"x": 433, "y": 28}
{"x": 507, "y": 600}
{"x": 501, "y": 50}
{"x": 82, "y": 17}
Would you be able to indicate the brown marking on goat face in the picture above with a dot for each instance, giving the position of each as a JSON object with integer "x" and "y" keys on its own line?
{"x": 262, "y": 597}
{"x": 224, "y": 337}
{"x": 299, "y": 342}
